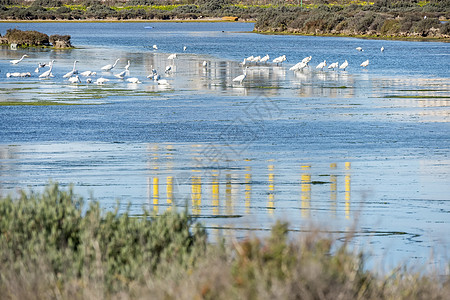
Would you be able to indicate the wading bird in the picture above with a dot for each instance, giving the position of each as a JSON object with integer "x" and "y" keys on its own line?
{"x": 365, "y": 63}
{"x": 74, "y": 71}
{"x": 382, "y": 49}
{"x": 155, "y": 47}
{"x": 279, "y": 59}
{"x": 265, "y": 58}
{"x": 48, "y": 73}
{"x": 241, "y": 78}
{"x": 322, "y": 65}
{"x": 110, "y": 67}
{"x": 101, "y": 81}
{"x": 74, "y": 79}
{"x": 344, "y": 65}
{"x": 121, "y": 75}
{"x": 16, "y": 61}
{"x": 133, "y": 80}
{"x": 88, "y": 73}
{"x": 359, "y": 49}
{"x": 127, "y": 67}
{"x": 172, "y": 56}
{"x": 333, "y": 65}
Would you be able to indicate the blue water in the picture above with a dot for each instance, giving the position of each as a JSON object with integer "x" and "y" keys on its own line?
{"x": 362, "y": 147}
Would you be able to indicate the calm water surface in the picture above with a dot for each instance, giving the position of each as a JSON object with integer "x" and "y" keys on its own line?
{"x": 365, "y": 147}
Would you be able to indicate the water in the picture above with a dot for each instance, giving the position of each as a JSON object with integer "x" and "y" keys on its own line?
{"x": 362, "y": 147}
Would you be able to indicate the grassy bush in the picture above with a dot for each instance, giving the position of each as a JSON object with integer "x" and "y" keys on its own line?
{"x": 52, "y": 245}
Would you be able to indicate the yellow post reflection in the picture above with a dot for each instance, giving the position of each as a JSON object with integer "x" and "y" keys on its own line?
{"x": 333, "y": 190}
{"x": 169, "y": 191}
{"x": 155, "y": 189}
{"x": 271, "y": 203}
{"x": 347, "y": 190}
{"x": 196, "y": 194}
{"x": 215, "y": 194}
{"x": 248, "y": 189}
{"x": 228, "y": 195}
{"x": 305, "y": 184}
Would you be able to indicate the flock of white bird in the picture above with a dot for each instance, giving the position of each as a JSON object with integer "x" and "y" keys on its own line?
{"x": 298, "y": 66}
{"x": 73, "y": 76}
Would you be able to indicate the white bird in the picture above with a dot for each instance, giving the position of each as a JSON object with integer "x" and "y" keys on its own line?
{"x": 364, "y": 63}
{"x": 250, "y": 58}
{"x": 74, "y": 79}
{"x": 279, "y": 59}
{"x": 322, "y": 65}
{"x": 307, "y": 59}
{"x": 333, "y": 65}
{"x": 162, "y": 81}
{"x": 205, "y": 64}
{"x": 74, "y": 71}
{"x": 257, "y": 59}
{"x": 101, "y": 81}
{"x": 127, "y": 67}
{"x": 48, "y": 73}
{"x": 88, "y": 80}
{"x": 344, "y": 65}
{"x": 382, "y": 49}
{"x": 184, "y": 48}
{"x": 241, "y": 78}
{"x": 16, "y": 61}
{"x": 168, "y": 68}
{"x": 88, "y": 73}
{"x": 40, "y": 65}
{"x": 133, "y": 80}
{"x": 18, "y": 74}
{"x": 155, "y": 47}
{"x": 172, "y": 56}
{"x": 121, "y": 75}
{"x": 265, "y": 58}
{"x": 359, "y": 49}
{"x": 298, "y": 66}
{"x": 110, "y": 67}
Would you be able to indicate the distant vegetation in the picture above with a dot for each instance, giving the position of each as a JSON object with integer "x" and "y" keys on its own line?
{"x": 396, "y": 18}
{"x": 54, "y": 245}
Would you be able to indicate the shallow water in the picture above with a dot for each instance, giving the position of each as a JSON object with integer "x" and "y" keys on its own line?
{"x": 337, "y": 148}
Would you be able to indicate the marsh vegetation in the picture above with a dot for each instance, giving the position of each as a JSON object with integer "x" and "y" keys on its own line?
{"x": 55, "y": 244}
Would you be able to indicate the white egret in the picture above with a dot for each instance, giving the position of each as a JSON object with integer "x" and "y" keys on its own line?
{"x": 101, "y": 81}
{"x": 40, "y": 65}
{"x": 48, "y": 73}
{"x": 172, "y": 56}
{"x": 18, "y": 74}
{"x": 279, "y": 59}
{"x": 344, "y": 65}
{"x": 382, "y": 49}
{"x": 133, "y": 80}
{"x": 250, "y": 58}
{"x": 168, "y": 69}
{"x": 205, "y": 64}
{"x": 364, "y": 63}
{"x": 322, "y": 65}
{"x": 307, "y": 59}
{"x": 88, "y": 73}
{"x": 265, "y": 58}
{"x": 74, "y": 79}
{"x": 110, "y": 67}
{"x": 16, "y": 61}
{"x": 161, "y": 81}
{"x": 184, "y": 48}
{"x": 359, "y": 49}
{"x": 298, "y": 66}
{"x": 127, "y": 67}
{"x": 333, "y": 65}
{"x": 241, "y": 78}
{"x": 121, "y": 75}
{"x": 74, "y": 71}
{"x": 155, "y": 47}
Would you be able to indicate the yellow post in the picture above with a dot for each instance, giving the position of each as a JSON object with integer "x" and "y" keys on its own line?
{"x": 271, "y": 202}
{"x": 248, "y": 189}
{"x": 305, "y": 184}
{"x": 215, "y": 194}
{"x": 155, "y": 188}
{"x": 347, "y": 181}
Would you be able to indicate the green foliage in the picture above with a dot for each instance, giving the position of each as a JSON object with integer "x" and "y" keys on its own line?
{"x": 47, "y": 3}
{"x": 53, "y": 229}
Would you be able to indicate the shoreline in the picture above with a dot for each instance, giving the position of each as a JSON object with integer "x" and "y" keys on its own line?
{"x": 219, "y": 20}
